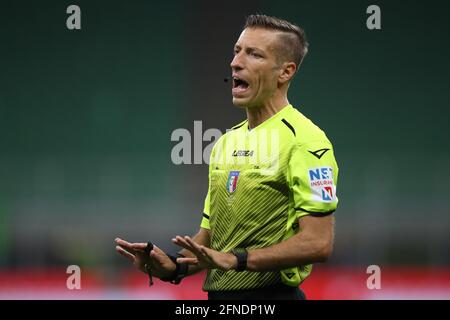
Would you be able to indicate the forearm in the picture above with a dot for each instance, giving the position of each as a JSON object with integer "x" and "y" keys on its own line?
{"x": 301, "y": 249}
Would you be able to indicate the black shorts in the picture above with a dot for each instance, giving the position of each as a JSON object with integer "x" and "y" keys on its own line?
{"x": 276, "y": 292}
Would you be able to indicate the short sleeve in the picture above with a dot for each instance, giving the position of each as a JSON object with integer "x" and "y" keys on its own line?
{"x": 206, "y": 209}
{"x": 312, "y": 178}
{"x": 205, "y": 220}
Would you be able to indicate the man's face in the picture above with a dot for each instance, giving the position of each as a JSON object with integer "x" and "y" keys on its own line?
{"x": 255, "y": 67}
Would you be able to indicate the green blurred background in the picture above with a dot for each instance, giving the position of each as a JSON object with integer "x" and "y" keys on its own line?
{"x": 86, "y": 118}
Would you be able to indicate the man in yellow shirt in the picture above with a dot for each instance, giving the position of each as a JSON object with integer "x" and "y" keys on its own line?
{"x": 272, "y": 183}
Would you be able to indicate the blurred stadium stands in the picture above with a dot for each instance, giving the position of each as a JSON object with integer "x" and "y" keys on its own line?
{"x": 86, "y": 118}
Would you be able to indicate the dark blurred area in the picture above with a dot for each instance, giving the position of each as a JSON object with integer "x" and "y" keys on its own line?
{"x": 86, "y": 118}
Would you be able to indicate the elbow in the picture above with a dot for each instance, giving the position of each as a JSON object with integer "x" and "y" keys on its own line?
{"x": 323, "y": 251}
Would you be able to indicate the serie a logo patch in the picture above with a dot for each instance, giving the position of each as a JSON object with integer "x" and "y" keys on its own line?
{"x": 322, "y": 184}
{"x": 232, "y": 181}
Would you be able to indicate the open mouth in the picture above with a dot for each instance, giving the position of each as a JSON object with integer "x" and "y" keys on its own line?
{"x": 239, "y": 85}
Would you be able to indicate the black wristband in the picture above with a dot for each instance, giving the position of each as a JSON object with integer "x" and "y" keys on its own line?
{"x": 181, "y": 270}
{"x": 241, "y": 255}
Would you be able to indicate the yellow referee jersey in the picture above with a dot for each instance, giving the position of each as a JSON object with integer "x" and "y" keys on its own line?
{"x": 260, "y": 182}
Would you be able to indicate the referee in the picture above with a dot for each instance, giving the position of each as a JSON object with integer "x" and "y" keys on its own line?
{"x": 268, "y": 214}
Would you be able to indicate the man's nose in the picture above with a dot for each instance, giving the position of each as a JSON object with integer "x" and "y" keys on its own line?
{"x": 236, "y": 63}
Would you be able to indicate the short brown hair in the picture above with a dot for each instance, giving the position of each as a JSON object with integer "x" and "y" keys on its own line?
{"x": 293, "y": 37}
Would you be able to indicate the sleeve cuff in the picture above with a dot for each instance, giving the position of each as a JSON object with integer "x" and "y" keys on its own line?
{"x": 302, "y": 212}
{"x": 205, "y": 222}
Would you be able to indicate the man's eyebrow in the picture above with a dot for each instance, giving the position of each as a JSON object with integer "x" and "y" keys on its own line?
{"x": 236, "y": 46}
{"x": 255, "y": 49}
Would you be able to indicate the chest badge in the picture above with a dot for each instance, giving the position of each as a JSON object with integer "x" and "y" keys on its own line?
{"x": 232, "y": 181}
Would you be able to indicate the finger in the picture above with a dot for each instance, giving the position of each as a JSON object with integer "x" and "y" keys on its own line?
{"x": 190, "y": 243}
{"x": 188, "y": 260}
{"x": 158, "y": 250}
{"x": 125, "y": 244}
{"x": 182, "y": 243}
{"x": 206, "y": 251}
{"x": 196, "y": 247}
{"x": 122, "y": 241}
{"x": 194, "y": 244}
{"x": 143, "y": 246}
{"x": 139, "y": 246}
{"x": 125, "y": 253}
{"x": 130, "y": 250}
{"x": 157, "y": 257}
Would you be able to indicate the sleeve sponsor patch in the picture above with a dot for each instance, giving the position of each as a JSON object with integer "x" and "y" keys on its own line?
{"x": 322, "y": 184}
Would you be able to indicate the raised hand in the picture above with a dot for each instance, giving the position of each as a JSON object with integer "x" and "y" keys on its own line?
{"x": 160, "y": 264}
{"x": 205, "y": 257}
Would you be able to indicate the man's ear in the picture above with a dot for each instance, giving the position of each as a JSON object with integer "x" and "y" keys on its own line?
{"x": 288, "y": 70}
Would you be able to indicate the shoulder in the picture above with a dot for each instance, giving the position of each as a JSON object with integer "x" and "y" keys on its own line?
{"x": 304, "y": 130}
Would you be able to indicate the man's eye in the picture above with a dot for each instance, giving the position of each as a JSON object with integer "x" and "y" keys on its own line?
{"x": 256, "y": 55}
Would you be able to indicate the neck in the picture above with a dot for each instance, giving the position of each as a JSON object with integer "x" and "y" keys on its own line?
{"x": 258, "y": 114}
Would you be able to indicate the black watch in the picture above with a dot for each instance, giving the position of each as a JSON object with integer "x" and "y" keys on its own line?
{"x": 241, "y": 255}
{"x": 181, "y": 270}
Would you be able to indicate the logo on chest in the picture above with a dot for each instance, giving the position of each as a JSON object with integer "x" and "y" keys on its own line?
{"x": 232, "y": 181}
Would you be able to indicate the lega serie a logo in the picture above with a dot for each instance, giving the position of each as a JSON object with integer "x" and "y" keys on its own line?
{"x": 232, "y": 181}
